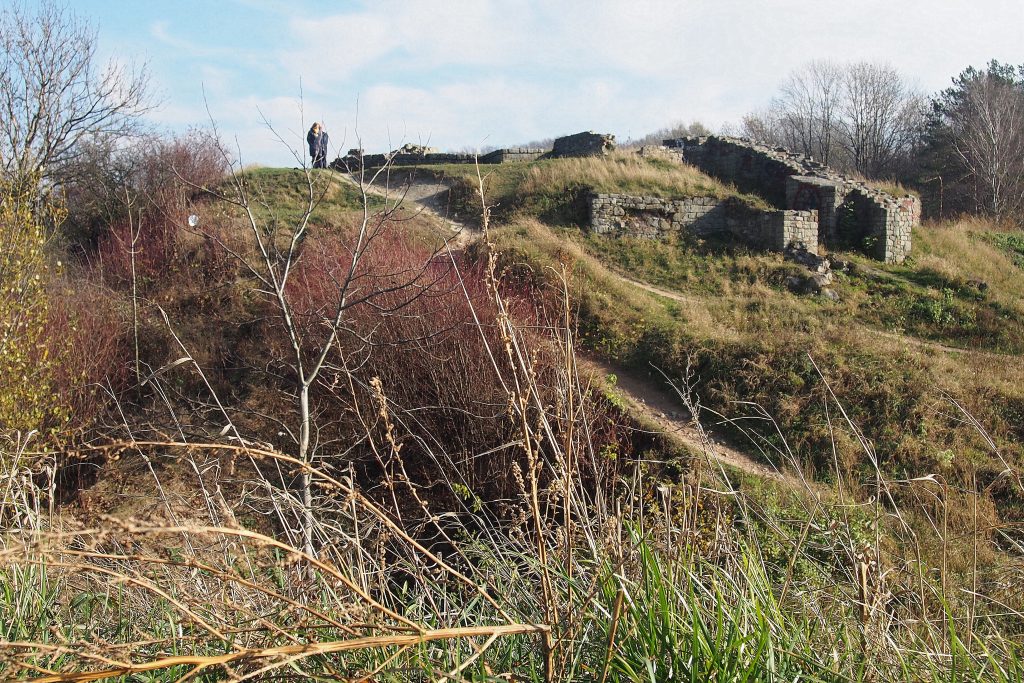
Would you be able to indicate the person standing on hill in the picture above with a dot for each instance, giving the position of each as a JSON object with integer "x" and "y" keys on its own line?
{"x": 317, "y": 139}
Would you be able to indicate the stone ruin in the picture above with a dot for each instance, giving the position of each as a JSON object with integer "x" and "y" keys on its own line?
{"x": 653, "y": 217}
{"x": 850, "y": 213}
{"x": 812, "y": 205}
{"x": 588, "y": 144}
{"x": 578, "y": 145}
{"x": 428, "y": 156}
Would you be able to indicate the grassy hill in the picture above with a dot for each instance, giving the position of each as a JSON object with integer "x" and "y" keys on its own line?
{"x": 746, "y": 340}
{"x": 479, "y": 504}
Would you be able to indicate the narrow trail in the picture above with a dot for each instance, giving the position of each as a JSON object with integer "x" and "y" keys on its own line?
{"x": 936, "y": 346}
{"x": 430, "y": 198}
{"x": 659, "y": 405}
{"x": 668, "y": 294}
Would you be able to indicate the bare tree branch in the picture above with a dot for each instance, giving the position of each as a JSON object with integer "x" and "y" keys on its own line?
{"x": 54, "y": 93}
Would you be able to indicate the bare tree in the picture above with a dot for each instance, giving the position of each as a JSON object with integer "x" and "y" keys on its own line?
{"x": 762, "y": 126}
{"x": 986, "y": 129}
{"x": 807, "y": 109}
{"x": 677, "y": 130}
{"x": 54, "y": 93}
{"x": 880, "y": 118}
{"x": 860, "y": 117}
{"x": 274, "y": 254}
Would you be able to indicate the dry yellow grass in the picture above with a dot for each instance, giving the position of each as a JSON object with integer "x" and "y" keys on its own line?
{"x": 959, "y": 250}
{"x": 893, "y": 187}
{"x": 627, "y": 173}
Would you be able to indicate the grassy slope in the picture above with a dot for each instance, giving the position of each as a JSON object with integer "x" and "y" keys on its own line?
{"x": 754, "y": 335}
{"x": 751, "y": 340}
{"x": 284, "y": 191}
{"x": 880, "y": 347}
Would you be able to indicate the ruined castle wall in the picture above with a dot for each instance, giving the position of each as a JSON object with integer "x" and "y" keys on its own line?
{"x": 749, "y": 168}
{"x": 786, "y": 228}
{"x": 499, "y": 156}
{"x": 899, "y": 227}
{"x": 819, "y": 194}
{"x": 796, "y": 182}
{"x": 884, "y": 226}
{"x": 621, "y": 215}
{"x": 376, "y": 161}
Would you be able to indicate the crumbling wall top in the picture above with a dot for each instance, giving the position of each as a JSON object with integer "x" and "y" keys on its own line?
{"x": 800, "y": 164}
{"x": 587, "y": 144}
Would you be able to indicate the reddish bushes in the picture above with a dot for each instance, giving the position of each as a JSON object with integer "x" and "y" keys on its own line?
{"x": 149, "y": 211}
{"x": 90, "y": 334}
{"x": 431, "y": 334}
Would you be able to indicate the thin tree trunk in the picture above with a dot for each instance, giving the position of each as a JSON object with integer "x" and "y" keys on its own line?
{"x": 306, "y": 479}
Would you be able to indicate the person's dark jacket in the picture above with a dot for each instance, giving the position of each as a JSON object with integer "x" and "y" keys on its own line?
{"x": 322, "y": 149}
{"x": 318, "y": 147}
{"x": 313, "y": 139}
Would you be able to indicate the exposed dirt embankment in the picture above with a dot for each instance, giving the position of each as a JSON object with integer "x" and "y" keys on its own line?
{"x": 660, "y": 405}
{"x": 419, "y": 191}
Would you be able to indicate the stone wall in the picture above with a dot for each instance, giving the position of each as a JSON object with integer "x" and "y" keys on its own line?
{"x": 819, "y": 194}
{"x": 404, "y": 157}
{"x": 587, "y": 144}
{"x": 794, "y": 181}
{"x": 900, "y": 221}
{"x": 883, "y": 228}
{"x": 502, "y": 156}
{"x": 400, "y": 159}
{"x": 756, "y": 169}
{"x": 621, "y": 215}
{"x": 788, "y": 229}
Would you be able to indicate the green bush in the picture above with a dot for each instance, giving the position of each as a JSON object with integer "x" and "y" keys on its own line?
{"x": 28, "y": 361}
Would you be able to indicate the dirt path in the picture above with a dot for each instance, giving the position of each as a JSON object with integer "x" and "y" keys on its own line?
{"x": 668, "y": 294}
{"x": 659, "y": 404}
{"x": 936, "y": 346}
{"x": 424, "y": 196}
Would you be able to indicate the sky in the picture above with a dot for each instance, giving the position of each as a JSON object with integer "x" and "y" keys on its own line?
{"x": 464, "y": 74}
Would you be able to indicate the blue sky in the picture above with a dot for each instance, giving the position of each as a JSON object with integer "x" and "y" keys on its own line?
{"x": 464, "y": 74}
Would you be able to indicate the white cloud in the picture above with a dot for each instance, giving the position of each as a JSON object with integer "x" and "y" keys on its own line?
{"x": 490, "y": 72}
